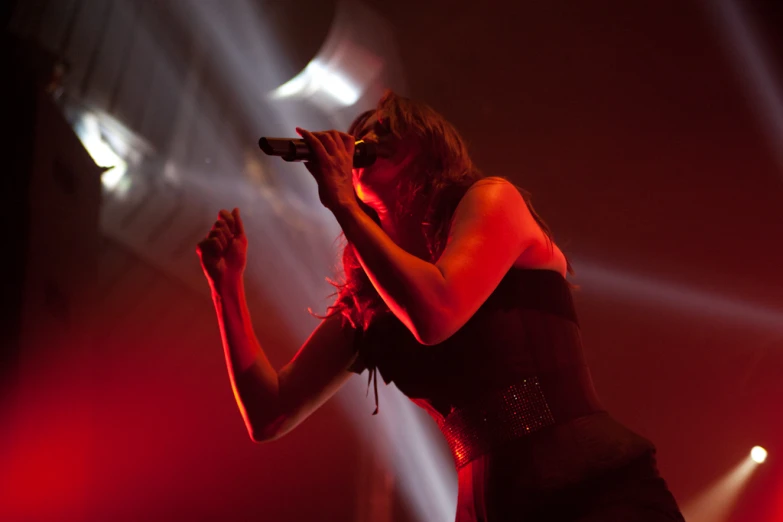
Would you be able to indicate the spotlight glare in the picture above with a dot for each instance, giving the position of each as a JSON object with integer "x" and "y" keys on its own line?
{"x": 319, "y": 77}
{"x": 758, "y": 454}
{"x": 89, "y": 131}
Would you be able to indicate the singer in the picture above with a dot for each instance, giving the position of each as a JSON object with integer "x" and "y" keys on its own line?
{"x": 455, "y": 290}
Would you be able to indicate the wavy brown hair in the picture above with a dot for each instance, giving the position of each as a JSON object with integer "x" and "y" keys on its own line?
{"x": 433, "y": 185}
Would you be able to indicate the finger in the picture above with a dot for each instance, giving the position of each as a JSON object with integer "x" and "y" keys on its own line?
{"x": 209, "y": 248}
{"x": 226, "y": 235}
{"x": 226, "y": 216}
{"x": 346, "y": 140}
{"x": 222, "y": 225}
{"x": 221, "y": 242}
{"x": 217, "y": 235}
{"x": 240, "y": 227}
{"x": 331, "y": 146}
{"x": 221, "y": 228}
{"x": 314, "y": 143}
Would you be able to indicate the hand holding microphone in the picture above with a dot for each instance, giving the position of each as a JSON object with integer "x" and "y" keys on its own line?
{"x": 294, "y": 149}
{"x": 331, "y": 160}
{"x": 330, "y": 157}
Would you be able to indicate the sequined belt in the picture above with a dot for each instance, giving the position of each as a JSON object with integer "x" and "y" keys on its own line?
{"x": 502, "y": 416}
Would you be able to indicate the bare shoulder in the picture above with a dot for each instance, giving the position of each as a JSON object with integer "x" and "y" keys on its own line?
{"x": 543, "y": 253}
{"x": 493, "y": 193}
{"x": 493, "y": 179}
{"x": 497, "y": 181}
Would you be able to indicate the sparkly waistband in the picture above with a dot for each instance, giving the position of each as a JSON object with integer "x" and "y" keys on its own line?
{"x": 504, "y": 415}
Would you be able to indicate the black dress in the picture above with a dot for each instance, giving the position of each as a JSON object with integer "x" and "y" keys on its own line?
{"x": 584, "y": 466}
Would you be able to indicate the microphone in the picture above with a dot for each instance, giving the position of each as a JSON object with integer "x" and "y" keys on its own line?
{"x": 293, "y": 149}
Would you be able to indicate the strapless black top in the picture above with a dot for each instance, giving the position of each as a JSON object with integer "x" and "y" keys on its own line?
{"x": 527, "y": 327}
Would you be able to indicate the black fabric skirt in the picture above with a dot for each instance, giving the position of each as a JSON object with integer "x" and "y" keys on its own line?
{"x": 634, "y": 492}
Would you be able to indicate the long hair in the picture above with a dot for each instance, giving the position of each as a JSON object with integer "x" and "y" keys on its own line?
{"x": 434, "y": 184}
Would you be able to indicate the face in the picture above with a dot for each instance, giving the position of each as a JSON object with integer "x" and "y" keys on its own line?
{"x": 377, "y": 181}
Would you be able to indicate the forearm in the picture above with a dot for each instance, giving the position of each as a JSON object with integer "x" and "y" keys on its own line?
{"x": 253, "y": 379}
{"x": 411, "y": 287}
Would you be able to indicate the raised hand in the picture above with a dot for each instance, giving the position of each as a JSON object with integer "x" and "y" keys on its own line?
{"x": 332, "y": 166}
{"x": 223, "y": 253}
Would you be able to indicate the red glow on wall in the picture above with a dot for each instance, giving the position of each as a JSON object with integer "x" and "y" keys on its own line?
{"x": 47, "y": 468}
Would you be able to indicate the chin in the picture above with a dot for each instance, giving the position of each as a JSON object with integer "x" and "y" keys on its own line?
{"x": 378, "y": 176}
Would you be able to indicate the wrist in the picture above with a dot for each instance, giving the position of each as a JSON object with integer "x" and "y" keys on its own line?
{"x": 346, "y": 210}
{"x": 228, "y": 285}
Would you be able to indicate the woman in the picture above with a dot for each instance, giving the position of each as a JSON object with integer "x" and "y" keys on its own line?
{"x": 455, "y": 291}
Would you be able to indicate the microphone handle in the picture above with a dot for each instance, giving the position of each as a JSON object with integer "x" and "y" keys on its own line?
{"x": 294, "y": 149}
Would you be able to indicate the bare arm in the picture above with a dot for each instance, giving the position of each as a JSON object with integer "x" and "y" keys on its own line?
{"x": 271, "y": 403}
{"x": 492, "y": 227}
{"x": 315, "y": 373}
{"x": 253, "y": 379}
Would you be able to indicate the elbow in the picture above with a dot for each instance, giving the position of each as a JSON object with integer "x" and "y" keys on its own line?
{"x": 271, "y": 423}
{"x": 424, "y": 331}
{"x": 428, "y": 337}
{"x": 261, "y": 435}
{"x": 431, "y": 340}
{"x": 432, "y": 334}
{"x": 434, "y": 325}
{"x": 268, "y": 432}
{"x": 262, "y": 438}
{"x": 425, "y": 339}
